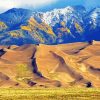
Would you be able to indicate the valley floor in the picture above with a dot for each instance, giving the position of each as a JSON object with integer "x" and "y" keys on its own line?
{"x": 50, "y": 94}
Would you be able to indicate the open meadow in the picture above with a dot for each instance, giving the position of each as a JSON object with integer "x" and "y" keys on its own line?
{"x": 50, "y": 94}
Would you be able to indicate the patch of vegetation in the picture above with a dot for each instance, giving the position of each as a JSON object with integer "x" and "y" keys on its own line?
{"x": 23, "y": 72}
{"x": 39, "y": 31}
{"x": 3, "y": 26}
{"x": 16, "y": 33}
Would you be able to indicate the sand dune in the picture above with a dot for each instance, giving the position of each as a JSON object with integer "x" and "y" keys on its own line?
{"x": 64, "y": 65}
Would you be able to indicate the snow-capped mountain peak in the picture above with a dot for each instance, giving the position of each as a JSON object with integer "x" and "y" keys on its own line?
{"x": 55, "y": 15}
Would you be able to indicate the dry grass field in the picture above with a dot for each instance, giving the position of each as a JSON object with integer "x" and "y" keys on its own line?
{"x": 50, "y": 94}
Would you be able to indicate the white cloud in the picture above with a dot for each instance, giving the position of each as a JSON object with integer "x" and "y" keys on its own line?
{"x": 7, "y": 4}
{"x": 34, "y": 3}
{"x": 4, "y": 4}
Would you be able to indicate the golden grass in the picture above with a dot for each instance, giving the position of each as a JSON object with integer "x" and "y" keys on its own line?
{"x": 50, "y": 94}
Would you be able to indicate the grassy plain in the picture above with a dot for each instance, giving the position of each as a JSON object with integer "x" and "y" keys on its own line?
{"x": 50, "y": 94}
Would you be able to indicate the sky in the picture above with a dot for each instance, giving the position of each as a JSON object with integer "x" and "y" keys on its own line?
{"x": 45, "y": 5}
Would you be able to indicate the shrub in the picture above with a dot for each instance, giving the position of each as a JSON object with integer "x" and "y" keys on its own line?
{"x": 23, "y": 72}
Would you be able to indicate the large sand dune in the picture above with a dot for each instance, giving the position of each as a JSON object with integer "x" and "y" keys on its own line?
{"x": 64, "y": 65}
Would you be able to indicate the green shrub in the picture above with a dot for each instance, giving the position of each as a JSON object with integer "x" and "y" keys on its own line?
{"x": 23, "y": 72}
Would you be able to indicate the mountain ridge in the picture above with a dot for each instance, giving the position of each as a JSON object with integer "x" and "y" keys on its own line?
{"x": 69, "y": 24}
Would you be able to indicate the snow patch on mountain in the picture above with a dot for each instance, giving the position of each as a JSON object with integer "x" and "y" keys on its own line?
{"x": 54, "y": 16}
{"x": 95, "y": 17}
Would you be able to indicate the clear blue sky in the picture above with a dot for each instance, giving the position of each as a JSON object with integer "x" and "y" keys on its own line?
{"x": 45, "y": 5}
{"x": 89, "y": 4}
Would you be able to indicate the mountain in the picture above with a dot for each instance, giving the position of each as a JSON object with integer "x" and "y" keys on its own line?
{"x": 19, "y": 23}
{"x": 63, "y": 65}
{"x": 66, "y": 25}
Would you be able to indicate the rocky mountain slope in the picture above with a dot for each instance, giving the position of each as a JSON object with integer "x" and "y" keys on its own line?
{"x": 66, "y": 25}
{"x": 64, "y": 65}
